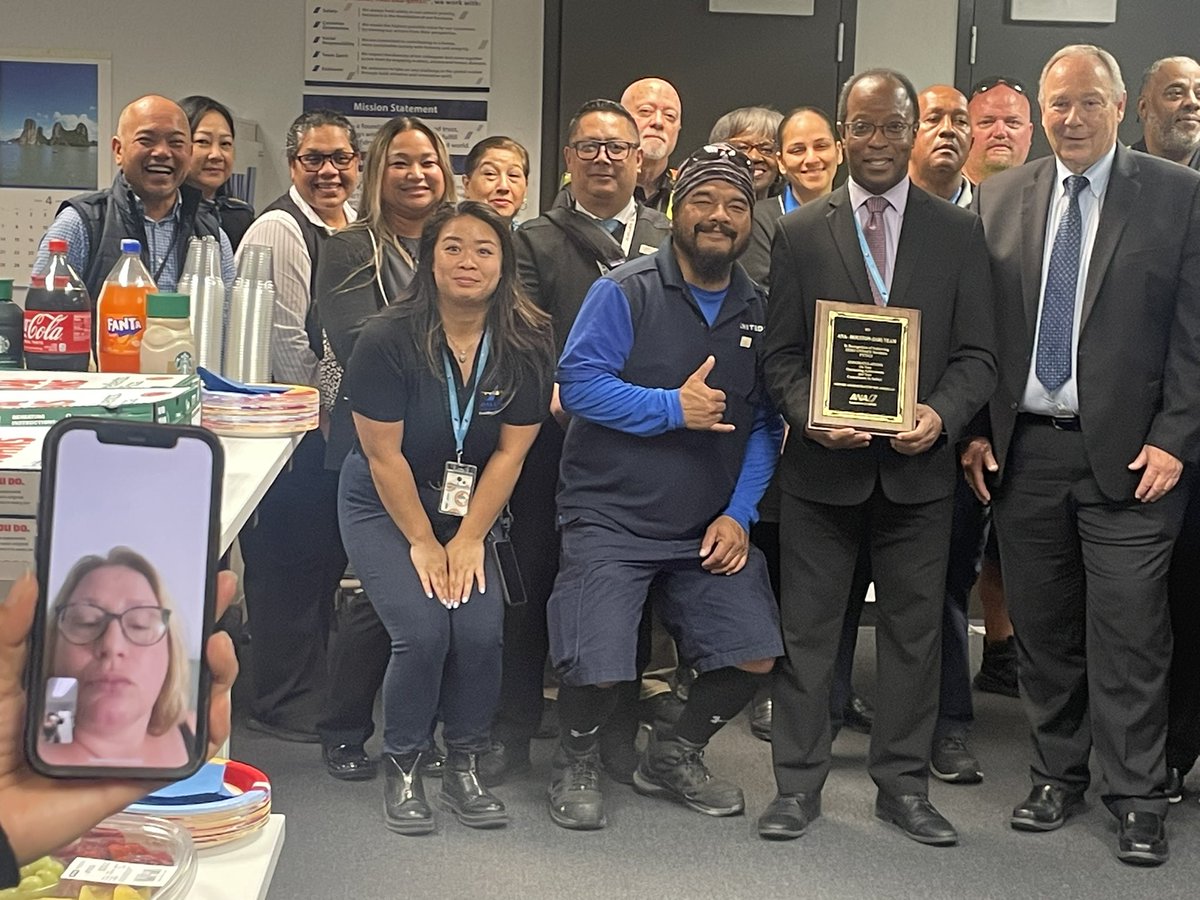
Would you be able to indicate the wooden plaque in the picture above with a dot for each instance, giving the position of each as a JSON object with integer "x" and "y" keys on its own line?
{"x": 864, "y": 367}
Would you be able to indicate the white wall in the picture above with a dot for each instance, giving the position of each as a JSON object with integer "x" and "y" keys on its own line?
{"x": 915, "y": 36}
{"x": 248, "y": 55}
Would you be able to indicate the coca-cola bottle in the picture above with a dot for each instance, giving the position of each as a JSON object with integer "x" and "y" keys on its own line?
{"x": 58, "y": 317}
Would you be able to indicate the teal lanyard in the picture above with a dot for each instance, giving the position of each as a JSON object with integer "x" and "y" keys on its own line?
{"x": 460, "y": 423}
{"x": 872, "y": 269}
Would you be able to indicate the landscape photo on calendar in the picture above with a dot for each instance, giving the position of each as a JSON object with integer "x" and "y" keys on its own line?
{"x": 48, "y": 125}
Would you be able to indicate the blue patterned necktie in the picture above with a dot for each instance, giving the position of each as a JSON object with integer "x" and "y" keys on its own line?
{"x": 1055, "y": 329}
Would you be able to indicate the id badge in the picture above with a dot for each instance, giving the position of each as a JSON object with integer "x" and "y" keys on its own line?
{"x": 457, "y": 483}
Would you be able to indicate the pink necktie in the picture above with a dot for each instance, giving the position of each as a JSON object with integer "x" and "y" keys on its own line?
{"x": 876, "y": 242}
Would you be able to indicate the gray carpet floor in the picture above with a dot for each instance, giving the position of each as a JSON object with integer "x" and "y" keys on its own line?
{"x": 337, "y": 846}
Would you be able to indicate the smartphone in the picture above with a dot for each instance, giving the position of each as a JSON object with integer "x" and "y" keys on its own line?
{"x": 127, "y": 550}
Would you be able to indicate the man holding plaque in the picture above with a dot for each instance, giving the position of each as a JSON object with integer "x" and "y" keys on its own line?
{"x": 1096, "y": 252}
{"x": 891, "y": 250}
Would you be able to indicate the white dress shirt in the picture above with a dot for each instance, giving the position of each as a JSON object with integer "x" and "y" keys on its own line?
{"x": 627, "y": 217}
{"x": 292, "y": 359}
{"x": 1065, "y": 400}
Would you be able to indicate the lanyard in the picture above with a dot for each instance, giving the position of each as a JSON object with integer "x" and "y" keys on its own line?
{"x": 788, "y": 200}
{"x": 460, "y": 423}
{"x": 872, "y": 269}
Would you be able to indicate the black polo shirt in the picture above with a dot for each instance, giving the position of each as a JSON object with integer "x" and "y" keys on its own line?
{"x": 389, "y": 380}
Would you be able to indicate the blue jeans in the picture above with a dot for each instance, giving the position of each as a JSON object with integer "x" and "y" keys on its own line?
{"x": 445, "y": 663}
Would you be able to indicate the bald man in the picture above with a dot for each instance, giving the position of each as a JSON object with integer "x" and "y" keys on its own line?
{"x": 148, "y": 201}
{"x": 940, "y": 147}
{"x": 1001, "y": 127}
{"x": 655, "y": 106}
{"x": 1169, "y": 110}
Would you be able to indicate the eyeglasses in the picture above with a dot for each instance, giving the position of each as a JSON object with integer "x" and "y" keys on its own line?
{"x": 614, "y": 150}
{"x": 312, "y": 162}
{"x": 893, "y": 131}
{"x": 986, "y": 84}
{"x": 83, "y": 623}
{"x": 763, "y": 148}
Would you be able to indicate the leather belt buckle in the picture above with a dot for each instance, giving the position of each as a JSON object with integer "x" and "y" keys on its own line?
{"x": 1064, "y": 423}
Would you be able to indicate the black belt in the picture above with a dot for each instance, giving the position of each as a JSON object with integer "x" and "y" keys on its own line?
{"x": 1058, "y": 423}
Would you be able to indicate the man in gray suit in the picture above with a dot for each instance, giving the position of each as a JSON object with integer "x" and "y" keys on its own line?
{"x": 1096, "y": 255}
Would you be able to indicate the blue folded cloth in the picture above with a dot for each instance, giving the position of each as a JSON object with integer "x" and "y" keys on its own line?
{"x": 214, "y": 382}
{"x": 206, "y": 786}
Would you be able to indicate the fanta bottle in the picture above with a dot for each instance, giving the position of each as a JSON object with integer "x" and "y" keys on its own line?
{"x": 121, "y": 311}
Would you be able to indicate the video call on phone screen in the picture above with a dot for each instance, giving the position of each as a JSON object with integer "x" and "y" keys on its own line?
{"x": 125, "y": 590}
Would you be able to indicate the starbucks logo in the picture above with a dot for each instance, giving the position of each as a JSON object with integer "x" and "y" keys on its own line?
{"x": 184, "y": 364}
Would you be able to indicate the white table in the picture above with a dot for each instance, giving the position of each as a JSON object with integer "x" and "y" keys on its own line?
{"x": 242, "y": 870}
{"x": 251, "y": 465}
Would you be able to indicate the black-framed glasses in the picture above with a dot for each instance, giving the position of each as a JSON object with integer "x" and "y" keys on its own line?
{"x": 83, "y": 623}
{"x": 614, "y": 150}
{"x": 341, "y": 159}
{"x": 764, "y": 148}
{"x": 893, "y": 131}
{"x": 986, "y": 84}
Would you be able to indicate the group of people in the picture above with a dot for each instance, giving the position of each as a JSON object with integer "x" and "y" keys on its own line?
{"x": 588, "y": 438}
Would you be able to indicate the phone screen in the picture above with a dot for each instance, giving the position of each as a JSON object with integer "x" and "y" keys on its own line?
{"x": 126, "y": 577}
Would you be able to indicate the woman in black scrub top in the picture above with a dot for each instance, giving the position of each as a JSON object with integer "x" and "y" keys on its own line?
{"x": 447, "y": 388}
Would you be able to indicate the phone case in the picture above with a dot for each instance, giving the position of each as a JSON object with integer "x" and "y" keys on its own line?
{"x": 115, "y": 432}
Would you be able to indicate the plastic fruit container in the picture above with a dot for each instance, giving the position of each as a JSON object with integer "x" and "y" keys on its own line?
{"x": 125, "y": 857}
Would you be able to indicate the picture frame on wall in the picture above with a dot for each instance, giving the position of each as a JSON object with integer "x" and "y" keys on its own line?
{"x": 1089, "y": 11}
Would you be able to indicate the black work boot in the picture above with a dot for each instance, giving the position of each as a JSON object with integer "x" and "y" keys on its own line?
{"x": 674, "y": 768}
{"x": 575, "y": 798}
{"x": 504, "y": 760}
{"x": 998, "y": 670}
{"x": 404, "y": 806}
{"x": 464, "y": 794}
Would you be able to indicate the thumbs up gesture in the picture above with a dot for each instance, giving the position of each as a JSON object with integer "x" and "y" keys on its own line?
{"x": 703, "y": 407}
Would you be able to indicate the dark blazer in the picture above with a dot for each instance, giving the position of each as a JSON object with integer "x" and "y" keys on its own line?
{"x": 941, "y": 269}
{"x": 557, "y": 274}
{"x": 1139, "y": 343}
{"x": 757, "y": 258}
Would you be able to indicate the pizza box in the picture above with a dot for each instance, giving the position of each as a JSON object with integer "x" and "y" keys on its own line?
{"x": 20, "y": 470}
{"x": 172, "y": 404}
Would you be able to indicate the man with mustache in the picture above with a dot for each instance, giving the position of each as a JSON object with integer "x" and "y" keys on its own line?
{"x": 1001, "y": 127}
{"x": 148, "y": 200}
{"x": 1169, "y": 108}
{"x": 594, "y": 225}
{"x": 879, "y": 241}
{"x": 939, "y": 151}
{"x": 671, "y": 444}
{"x": 655, "y": 106}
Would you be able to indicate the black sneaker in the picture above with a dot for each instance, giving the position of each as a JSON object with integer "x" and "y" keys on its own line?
{"x": 1174, "y": 786}
{"x": 673, "y": 768}
{"x": 952, "y": 762}
{"x": 576, "y": 801}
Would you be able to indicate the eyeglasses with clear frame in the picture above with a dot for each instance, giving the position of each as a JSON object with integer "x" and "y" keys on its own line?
{"x": 313, "y": 162}
{"x": 84, "y": 623}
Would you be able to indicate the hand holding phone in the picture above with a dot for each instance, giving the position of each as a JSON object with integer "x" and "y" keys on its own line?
{"x": 127, "y": 552}
{"x": 41, "y": 814}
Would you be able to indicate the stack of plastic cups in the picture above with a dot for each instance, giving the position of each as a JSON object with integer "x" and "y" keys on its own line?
{"x": 251, "y": 317}
{"x": 201, "y": 281}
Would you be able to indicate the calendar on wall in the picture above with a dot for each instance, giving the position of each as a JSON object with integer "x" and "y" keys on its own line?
{"x": 55, "y": 126}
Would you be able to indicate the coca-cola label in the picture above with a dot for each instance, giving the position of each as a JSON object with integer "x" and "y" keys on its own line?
{"x": 49, "y": 331}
